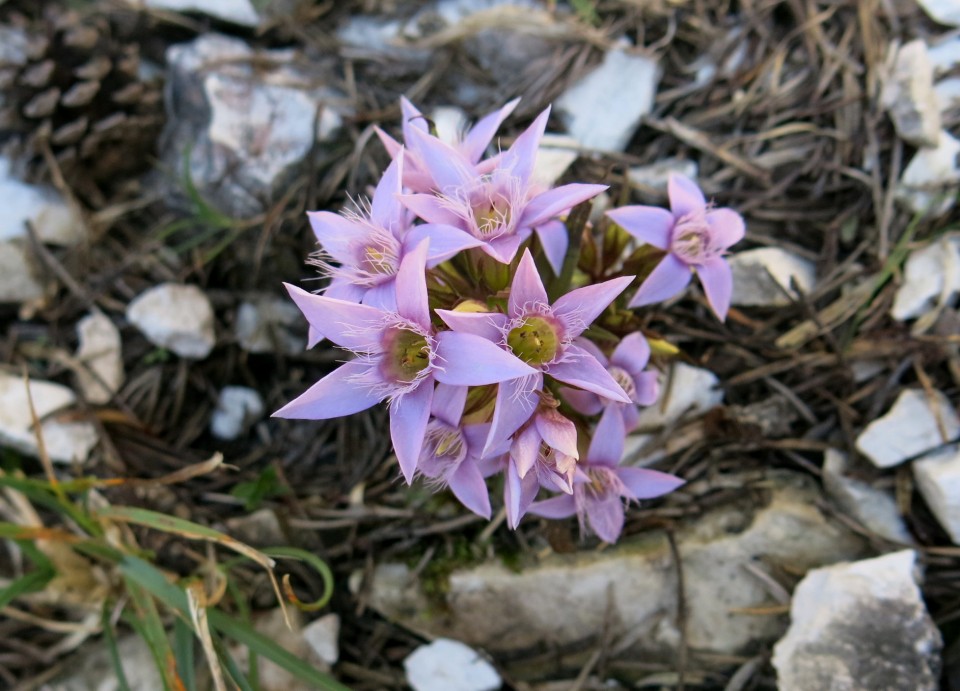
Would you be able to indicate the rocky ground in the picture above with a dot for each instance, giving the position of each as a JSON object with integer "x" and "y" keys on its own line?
{"x": 158, "y": 157}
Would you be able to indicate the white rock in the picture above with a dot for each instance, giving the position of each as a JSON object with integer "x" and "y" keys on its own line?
{"x": 909, "y": 428}
{"x": 944, "y": 54}
{"x": 65, "y": 441}
{"x": 931, "y": 278}
{"x": 271, "y": 676}
{"x": 942, "y": 11}
{"x": 55, "y": 222}
{"x": 908, "y": 94}
{"x": 860, "y": 626}
{"x": 260, "y": 529}
{"x": 449, "y": 665}
{"x": 928, "y": 184}
{"x": 18, "y": 274}
{"x": 758, "y": 272}
{"x": 238, "y": 407}
{"x": 247, "y": 119}
{"x": 565, "y": 600}
{"x": 241, "y": 12}
{"x": 604, "y": 109}
{"x": 101, "y": 358}
{"x": 938, "y": 478}
{"x": 92, "y": 669}
{"x": 948, "y": 94}
{"x": 556, "y": 154}
{"x": 451, "y": 122}
{"x": 657, "y": 175}
{"x": 176, "y": 317}
{"x": 265, "y": 324}
{"x": 874, "y": 508}
{"x": 686, "y": 390}
{"x": 323, "y": 637}
{"x": 14, "y": 44}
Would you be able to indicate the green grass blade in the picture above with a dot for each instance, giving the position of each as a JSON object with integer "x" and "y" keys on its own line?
{"x": 183, "y": 651}
{"x": 111, "y": 640}
{"x": 28, "y": 583}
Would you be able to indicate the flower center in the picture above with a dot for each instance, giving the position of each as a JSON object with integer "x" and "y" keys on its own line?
{"x": 691, "y": 239}
{"x": 379, "y": 260}
{"x": 406, "y": 354}
{"x": 492, "y": 214}
{"x": 623, "y": 378}
{"x": 603, "y": 483}
{"x": 443, "y": 449}
{"x": 534, "y": 341}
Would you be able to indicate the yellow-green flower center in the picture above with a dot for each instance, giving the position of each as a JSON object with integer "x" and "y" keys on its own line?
{"x": 535, "y": 341}
{"x": 407, "y": 354}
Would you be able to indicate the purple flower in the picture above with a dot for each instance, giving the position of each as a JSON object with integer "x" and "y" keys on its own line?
{"x": 626, "y": 365}
{"x": 542, "y": 336}
{"x": 472, "y": 145}
{"x": 399, "y": 357}
{"x": 694, "y": 235}
{"x": 451, "y": 451}
{"x": 499, "y": 207}
{"x": 369, "y": 245}
{"x": 546, "y": 445}
{"x": 597, "y": 498}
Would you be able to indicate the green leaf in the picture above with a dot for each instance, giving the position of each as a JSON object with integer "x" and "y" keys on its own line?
{"x": 183, "y": 652}
{"x": 111, "y": 640}
{"x": 28, "y": 583}
{"x": 266, "y": 486}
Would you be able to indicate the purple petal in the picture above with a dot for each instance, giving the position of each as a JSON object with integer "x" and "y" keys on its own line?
{"x": 389, "y": 143}
{"x": 669, "y": 278}
{"x": 481, "y": 134}
{"x": 558, "y": 432}
{"x": 593, "y": 349}
{"x": 631, "y": 416}
{"x": 504, "y": 248}
{"x": 408, "y": 423}
{"x": 646, "y": 223}
{"x": 583, "y": 402}
{"x": 445, "y": 241}
{"x": 520, "y": 157}
{"x": 685, "y": 196}
{"x": 469, "y": 360}
{"x": 579, "y": 368}
{"x": 341, "y": 288}
{"x": 476, "y": 436}
{"x": 336, "y": 395}
{"x": 448, "y": 403}
{"x": 606, "y": 447}
{"x": 648, "y": 388}
{"x": 385, "y": 209}
{"x": 632, "y": 353}
{"x": 335, "y": 233}
{"x": 488, "y": 325}
{"x": 516, "y": 401}
{"x": 467, "y": 485}
{"x": 412, "y": 287}
{"x": 525, "y": 449}
{"x": 527, "y": 288}
{"x": 717, "y": 281}
{"x": 554, "y": 240}
{"x": 647, "y": 484}
{"x": 605, "y": 515}
{"x": 430, "y": 208}
{"x": 549, "y": 204}
{"x": 347, "y": 324}
{"x": 383, "y": 296}
{"x": 560, "y": 506}
{"x": 581, "y": 306}
{"x": 513, "y": 494}
{"x": 447, "y": 166}
{"x": 313, "y": 336}
{"x": 411, "y": 119}
{"x": 726, "y": 227}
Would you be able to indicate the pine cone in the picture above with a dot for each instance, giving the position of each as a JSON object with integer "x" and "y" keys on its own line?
{"x": 81, "y": 92}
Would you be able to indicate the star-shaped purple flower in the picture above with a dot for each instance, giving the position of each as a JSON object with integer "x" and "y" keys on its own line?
{"x": 399, "y": 356}
{"x": 598, "y": 495}
{"x": 695, "y": 237}
{"x": 361, "y": 251}
{"x": 626, "y": 364}
{"x": 472, "y": 145}
{"x": 541, "y": 335}
{"x": 499, "y": 207}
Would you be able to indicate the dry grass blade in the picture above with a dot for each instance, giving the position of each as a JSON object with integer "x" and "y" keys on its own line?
{"x": 196, "y": 601}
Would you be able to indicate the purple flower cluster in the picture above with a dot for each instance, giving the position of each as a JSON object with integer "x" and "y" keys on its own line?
{"x": 435, "y": 291}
